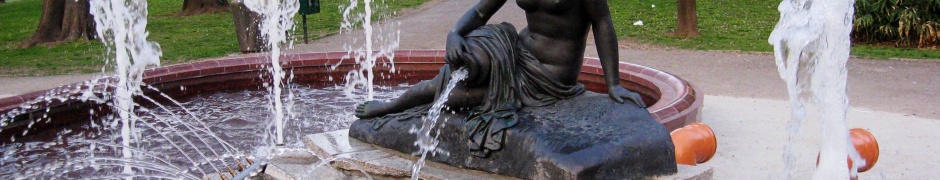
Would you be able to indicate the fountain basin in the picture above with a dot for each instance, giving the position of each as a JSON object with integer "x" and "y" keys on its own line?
{"x": 673, "y": 101}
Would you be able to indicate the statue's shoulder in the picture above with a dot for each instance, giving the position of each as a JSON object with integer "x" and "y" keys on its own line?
{"x": 552, "y": 5}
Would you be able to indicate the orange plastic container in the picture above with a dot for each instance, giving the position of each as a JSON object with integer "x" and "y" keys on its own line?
{"x": 867, "y": 147}
{"x": 695, "y": 143}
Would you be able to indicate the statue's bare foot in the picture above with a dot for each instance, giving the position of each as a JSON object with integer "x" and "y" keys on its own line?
{"x": 372, "y": 109}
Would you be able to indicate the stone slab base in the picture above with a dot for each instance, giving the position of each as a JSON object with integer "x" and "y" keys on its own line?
{"x": 352, "y": 156}
{"x": 588, "y": 136}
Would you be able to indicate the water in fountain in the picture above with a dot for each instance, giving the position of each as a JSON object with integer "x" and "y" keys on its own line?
{"x": 426, "y": 142}
{"x": 366, "y": 56}
{"x": 169, "y": 143}
{"x": 277, "y": 18}
{"x": 811, "y": 46}
{"x": 380, "y": 42}
{"x": 121, "y": 25}
{"x": 84, "y": 149}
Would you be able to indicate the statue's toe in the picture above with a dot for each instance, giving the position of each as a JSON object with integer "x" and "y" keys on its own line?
{"x": 361, "y": 109}
{"x": 368, "y": 110}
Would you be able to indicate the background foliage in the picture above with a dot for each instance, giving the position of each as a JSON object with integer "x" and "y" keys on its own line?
{"x": 736, "y": 25}
{"x": 903, "y": 22}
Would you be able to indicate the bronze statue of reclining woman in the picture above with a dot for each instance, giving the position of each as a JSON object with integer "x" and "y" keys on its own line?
{"x": 508, "y": 71}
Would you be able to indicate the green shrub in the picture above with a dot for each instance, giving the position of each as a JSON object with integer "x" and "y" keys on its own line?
{"x": 904, "y": 22}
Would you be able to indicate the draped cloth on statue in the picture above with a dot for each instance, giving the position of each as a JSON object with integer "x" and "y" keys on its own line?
{"x": 524, "y": 123}
{"x": 514, "y": 78}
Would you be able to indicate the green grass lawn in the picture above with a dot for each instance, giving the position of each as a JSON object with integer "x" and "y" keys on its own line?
{"x": 183, "y": 39}
{"x": 725, "y": 25}
{"x": 18, "y": 21}
{"x": 741, "y": 25}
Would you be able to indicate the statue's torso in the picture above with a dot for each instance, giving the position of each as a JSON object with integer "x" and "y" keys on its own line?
{"x": 556, "y": 35}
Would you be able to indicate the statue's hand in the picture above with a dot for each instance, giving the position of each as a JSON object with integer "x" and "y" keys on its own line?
{"x": 455, "y": 46}
{"x": 618, "y": 94}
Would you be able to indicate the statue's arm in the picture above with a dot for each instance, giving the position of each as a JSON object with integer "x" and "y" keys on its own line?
{"x": 605, "y": 37}
{"x": 475, "y": 17}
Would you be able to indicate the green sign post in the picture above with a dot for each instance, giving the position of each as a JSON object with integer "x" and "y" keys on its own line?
{"x": 308, "y": 7}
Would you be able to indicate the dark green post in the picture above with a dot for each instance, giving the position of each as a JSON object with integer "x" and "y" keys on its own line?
{"x": 308, "y": 7}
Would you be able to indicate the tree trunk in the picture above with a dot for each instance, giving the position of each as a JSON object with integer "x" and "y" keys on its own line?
{"x": 250, "y": 38}
{"x": 62, "y": 21}
{"x": 197, "y": 7}
{"x": 687, "y": 20}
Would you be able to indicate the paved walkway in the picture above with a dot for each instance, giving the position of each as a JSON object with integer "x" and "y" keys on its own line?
{"x": 894, "y": 99}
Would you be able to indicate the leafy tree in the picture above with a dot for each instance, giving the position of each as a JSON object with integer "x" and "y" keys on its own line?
{"x": 62, "y": 21}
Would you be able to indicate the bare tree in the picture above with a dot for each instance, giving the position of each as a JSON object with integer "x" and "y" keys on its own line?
{"x": 62, "y": 21}
{"x": 197, "y": 7}
{"x": 686, "y": 20}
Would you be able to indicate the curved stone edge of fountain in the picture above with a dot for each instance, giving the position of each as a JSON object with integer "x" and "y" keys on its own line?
{"x": 674, "y": 101}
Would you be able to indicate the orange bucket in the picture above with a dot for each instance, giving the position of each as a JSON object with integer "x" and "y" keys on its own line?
{"x": 867, "y": 147}
{"x": 695, "y": 143}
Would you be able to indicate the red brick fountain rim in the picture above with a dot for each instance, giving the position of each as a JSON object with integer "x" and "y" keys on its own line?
{"x": 673, "y": 101}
